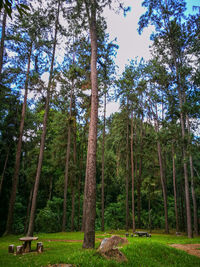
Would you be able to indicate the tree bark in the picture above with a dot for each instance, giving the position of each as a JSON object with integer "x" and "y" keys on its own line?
{"x": 90, "y": 201}
{"x": 174, "y": 187}
{"x": 28, "y": 210}
{"x": 162, "y": 176}
{"x": 139, "y": 180}
{"x": 102, "y": 171}
{"x": 73, "y": 179}
{"x": 127, "y": 169}
{"x": 73, "y": 208}
{"x": 187, "y": 194}
{"x": 195, "y": 218}
{"x": 3, "y": 31}
{"x": 67, "y": 165}
{"x": 43, "y": 137}
{"x": 18, "y": 152}
{"x": 4, "y": 170}
{"x": 132, "y": 175}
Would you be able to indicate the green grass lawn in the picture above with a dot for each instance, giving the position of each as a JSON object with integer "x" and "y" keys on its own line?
{"x": 140, "y": 252}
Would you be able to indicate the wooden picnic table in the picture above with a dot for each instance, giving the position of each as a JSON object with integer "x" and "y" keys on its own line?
{"x": 27, "y": 242}
{"x": 143, "y": 234}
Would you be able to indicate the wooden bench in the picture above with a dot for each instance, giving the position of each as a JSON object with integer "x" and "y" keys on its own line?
{"x": 27, "y": 242}
{"x": 140, "y": 234}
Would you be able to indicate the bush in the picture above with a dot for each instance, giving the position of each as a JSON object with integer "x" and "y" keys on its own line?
{"x": 48, "y": 220}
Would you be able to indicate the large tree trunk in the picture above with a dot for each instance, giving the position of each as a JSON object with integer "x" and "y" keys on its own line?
{"x": 3, "y": 31}
{"x": 132, "y": 175}
{"x": 90, "y": 200}
{"x": 4, "y": 170}
{"x": 43, "y": 137}
{"x": 102, "y": 172}
{"x": 174, "y": 187}
{"x": 18, "y": 153}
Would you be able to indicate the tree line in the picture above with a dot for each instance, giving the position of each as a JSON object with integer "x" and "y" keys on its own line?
{"x": 63, "y": 167}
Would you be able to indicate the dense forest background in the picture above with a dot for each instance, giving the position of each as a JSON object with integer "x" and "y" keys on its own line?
{"x": 148, "y": 153}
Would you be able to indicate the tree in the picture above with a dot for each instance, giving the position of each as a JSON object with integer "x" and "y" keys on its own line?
{"x": 43, "y": 136}
{"x": 165, "y": 16}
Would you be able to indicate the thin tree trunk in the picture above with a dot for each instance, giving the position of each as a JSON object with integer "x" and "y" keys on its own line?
{"x": 43, "y": 137}
{"x": 187, "y": 194}
{"x": 3, "y": 31}
{"x": 73, "y": 208}
{"x": 183, "y": 225}
{"x": 162, "y": 176}
{"x": 84, "y": 199}
{"x": 132, "y": 175}
{"x": 102, "y": 173}
{"x": 174, "y": 187}
{"x": 90, "y": 201}
{"x": 4, "y": 170}
{"x": 127, "y": 170}
{"x": 18, "y": 153}
{"x": 149, "y": 209}
{"x": 50, "y": 187}
{"x": 67, "y": 166}
{"x": 192, "y": 183}
{"x": 73, "y": 179}
{"x": 139, "y": 180}
{"x": 79, "y": 193}
{"x": 28, "y": 210}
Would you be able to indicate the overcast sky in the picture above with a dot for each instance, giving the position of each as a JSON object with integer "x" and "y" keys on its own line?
{"x": 131, "y": 44}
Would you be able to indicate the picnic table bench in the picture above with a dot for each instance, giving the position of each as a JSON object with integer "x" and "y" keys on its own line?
{"x": 143, "y": 234}
{"x": 27, "y": 242}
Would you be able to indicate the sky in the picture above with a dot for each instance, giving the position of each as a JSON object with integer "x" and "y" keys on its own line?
{"x": 131, "y": 44}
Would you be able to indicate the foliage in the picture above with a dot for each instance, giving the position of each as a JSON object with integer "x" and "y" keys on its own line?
{"x": 48, "y": 219}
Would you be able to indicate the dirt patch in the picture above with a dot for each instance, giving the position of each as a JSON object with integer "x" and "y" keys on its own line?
{"x": 64, "y": 240}
{"x": 193, "y": 249}
{"x": 60, "y": 265}
{"x": 70, "y": 241}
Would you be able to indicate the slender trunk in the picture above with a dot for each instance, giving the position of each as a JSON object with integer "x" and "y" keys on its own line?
{"x": 73, "y": 178}
{"x": 132, "y": 175}
{"x": 3, "y": 31}
{"x": 4, "y": 170}
{"x": 139, "y": 180}
{"x": 18, "y": 153}
{"x": 90, "y": 201}
{"x": 50, "y": 187}
{"x": 187, "y": 194}
{"x": 162, "y": 176}
{"x": 79, "y": 194}
{"x": 73, "y": 208}
{"x": 28, "y": 210}
{"x": 149, "y": 208}
{"x": 67, "y": 166}
{"x": 174, "y": 187}
{"x": 183, "y": 226}
{"x": 43, "y": 137}
{"x": 192, "y": 183}
{"x": 102, "y": 174}
{"x": 84, "y": 199}
{"x": 127, "y": 170}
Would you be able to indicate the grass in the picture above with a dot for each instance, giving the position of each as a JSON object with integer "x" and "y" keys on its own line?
{"x": 141, "y": 251}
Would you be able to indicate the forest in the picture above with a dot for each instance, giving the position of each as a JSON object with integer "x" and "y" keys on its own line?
{"x": 66, "y": 166}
